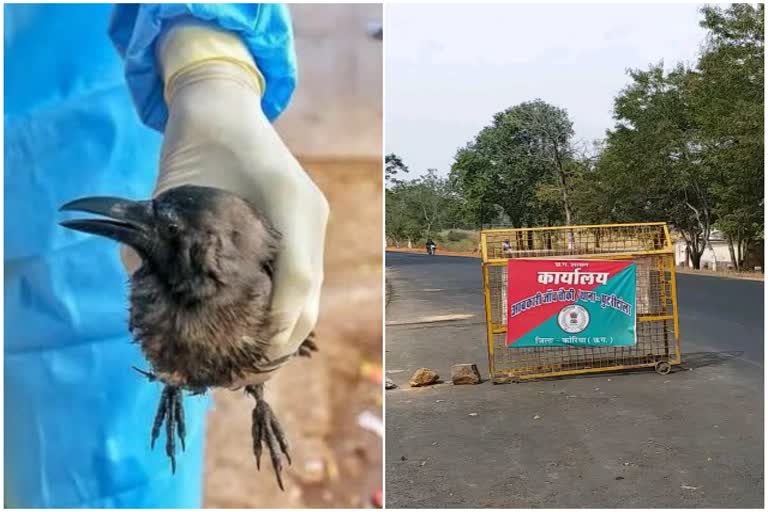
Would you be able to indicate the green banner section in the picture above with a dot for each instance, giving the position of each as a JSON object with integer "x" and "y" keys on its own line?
{"x": 602, "y": 317}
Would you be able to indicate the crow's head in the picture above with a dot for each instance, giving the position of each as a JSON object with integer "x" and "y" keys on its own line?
{"x": 198, "y": 241}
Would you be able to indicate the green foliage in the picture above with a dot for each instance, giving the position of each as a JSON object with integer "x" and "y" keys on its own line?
{"x": 401, "y": 221}
{"x": 507, "y": 161}
{"x": 446, "y": 241}
{"x": 688, "y": 145}
{"x": 471, "y": 179}
{"x": 421, "y": 208}
{"x": 653, "y": 165}
{"x": 456, "y": 236}
{"x": 393, "y": 168}
{"x": 729, "y": 102}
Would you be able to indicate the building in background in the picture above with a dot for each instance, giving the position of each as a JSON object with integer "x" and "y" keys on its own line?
{"x": 717, "y": 255}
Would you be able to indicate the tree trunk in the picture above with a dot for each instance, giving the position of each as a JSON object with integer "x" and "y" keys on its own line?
{"x": 564, "y": 194}
{"x": 732, "y": 251}
{"x": 696, "y": 253}
{"x": 697, "y": 242}
{"x": 737, "y": 246}
{"x": 567, "y": 208}
{"x": 743, "y": 254}
{"x": 566, "y": 201}
{"x": 696, "y": 260}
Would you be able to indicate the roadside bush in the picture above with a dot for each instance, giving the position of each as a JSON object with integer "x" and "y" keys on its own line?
{"x": 456, "y": 236}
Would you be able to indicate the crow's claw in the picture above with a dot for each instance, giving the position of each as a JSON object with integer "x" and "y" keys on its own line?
{"x": 308, "y": 346}
{"x": 267, "y": 430}
{"x": 149, "y": 375}
{"x": 171, "y": 411}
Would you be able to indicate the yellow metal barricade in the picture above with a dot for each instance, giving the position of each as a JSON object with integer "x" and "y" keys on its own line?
{"x": 648, "y": 245}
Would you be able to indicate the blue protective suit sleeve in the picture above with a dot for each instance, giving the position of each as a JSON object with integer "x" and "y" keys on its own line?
{"x": 265, "y": 29}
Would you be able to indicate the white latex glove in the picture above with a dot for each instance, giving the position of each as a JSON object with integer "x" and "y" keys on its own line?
{"x": 218, "y": 136}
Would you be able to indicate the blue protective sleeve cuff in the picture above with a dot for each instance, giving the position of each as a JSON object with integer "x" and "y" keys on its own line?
{"x": 265, "y": 29}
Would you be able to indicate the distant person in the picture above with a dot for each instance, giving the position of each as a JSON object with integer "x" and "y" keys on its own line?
{"x": 431, "y": 247}
{"x": 506, "y": 247}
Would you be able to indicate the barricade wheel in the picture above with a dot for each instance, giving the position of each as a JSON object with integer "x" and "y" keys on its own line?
{"x": 663, "y": 367}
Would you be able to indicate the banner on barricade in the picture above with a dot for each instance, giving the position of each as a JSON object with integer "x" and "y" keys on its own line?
{"x": 582, "y": 303}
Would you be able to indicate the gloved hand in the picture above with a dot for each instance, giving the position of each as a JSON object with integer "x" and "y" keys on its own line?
{"x": 218, "y": 136}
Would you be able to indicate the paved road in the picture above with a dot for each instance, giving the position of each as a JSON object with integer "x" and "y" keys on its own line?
{"x": 690, "y": 439}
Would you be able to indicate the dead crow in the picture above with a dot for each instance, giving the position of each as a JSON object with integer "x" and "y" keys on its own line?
{"x": 199, "y": 302}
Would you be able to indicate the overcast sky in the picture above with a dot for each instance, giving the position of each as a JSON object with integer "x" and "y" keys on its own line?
{"x": 449, "y": 68}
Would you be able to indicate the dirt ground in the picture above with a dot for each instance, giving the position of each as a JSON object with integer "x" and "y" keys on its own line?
{"x": 441, "y": 252}
{"x": 336, "y": 461}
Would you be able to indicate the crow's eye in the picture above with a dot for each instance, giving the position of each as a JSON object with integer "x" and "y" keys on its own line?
{"x": 173, "y": 229}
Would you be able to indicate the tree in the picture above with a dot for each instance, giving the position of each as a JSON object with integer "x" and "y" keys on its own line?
{"x": 431, "y": 194}
{"x": 729, "y": 105}
{"x": 477, "y": 187}
{"x": 550, "y": 133}
{"x": 400, "y": 217}
{"x": 420, "y": 208}
{"x": 524, "y": 146}
{"x": 688, "y": 145}
{"x": 394, "y": 167}
{"x": 653, "y": 166}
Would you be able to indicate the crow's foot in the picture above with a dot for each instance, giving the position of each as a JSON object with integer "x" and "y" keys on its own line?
{"x": 307, "y": 346}
{"x": 171, "y": 410}
{"x": 149, "y": 375}
{"x": 267, "y": 430}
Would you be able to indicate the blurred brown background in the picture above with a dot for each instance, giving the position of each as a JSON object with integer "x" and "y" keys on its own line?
{"x": 334, "y": 127}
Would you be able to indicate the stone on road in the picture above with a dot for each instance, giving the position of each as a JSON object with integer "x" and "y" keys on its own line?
{"x": 465, "y": 374}
{"x": 424, "y": 377}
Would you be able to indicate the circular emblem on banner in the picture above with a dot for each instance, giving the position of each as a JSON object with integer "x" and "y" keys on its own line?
{"x": 573, "y": 318}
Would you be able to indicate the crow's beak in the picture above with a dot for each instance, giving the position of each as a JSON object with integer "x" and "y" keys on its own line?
{"x": 130, "y": 222}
